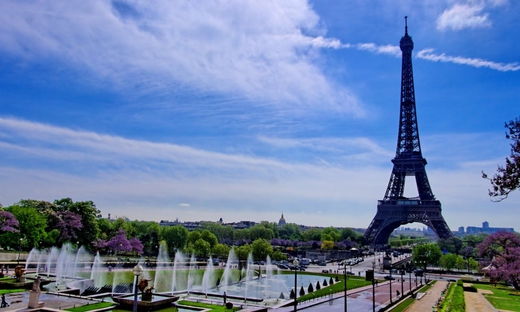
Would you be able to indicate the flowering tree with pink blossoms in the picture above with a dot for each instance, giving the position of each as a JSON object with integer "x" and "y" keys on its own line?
{"x": 137, "y": 246}
{"x": 119, "y": 243}
{"x": 503, "y": 248}
{"x": 8, "y": 222}
{"x": 69, "y": 224}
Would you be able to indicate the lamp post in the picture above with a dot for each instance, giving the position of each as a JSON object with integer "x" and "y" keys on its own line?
{"x": 402, "y": 281}
{"x": 410, "y": 279}
{"x": 374, "y": 286}
{"x": 345, "y": 281}
{"x": 137, "y": 271}
{"x": 391, "y": 284}
{"x": 295, "y": 263}
{"x": 19, "y": 250}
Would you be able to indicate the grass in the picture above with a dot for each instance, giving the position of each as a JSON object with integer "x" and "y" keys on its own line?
{"x": 503, "y": 297}
{"x": 403, "y": 305}
{"x": 90, "y": 307}
{"x": 426, "y": 287}
{"x": 9, "y": 291}
{"x": 445, "y": 303}
{"x": 457, "y": 302}
{"x": 213, "y": 307}
{"x": 352, "y": 282}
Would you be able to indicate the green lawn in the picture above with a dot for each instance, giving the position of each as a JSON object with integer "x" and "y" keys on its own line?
{"x": 91, "y": 307}
{"x": 503, "y": 297}
{"x": 426, "y": 287}
{"x": 403, "y": 305}
{"x": 352, "y": 282}
{"x": 9, "y": 291}
{"x": 213, "y": 307}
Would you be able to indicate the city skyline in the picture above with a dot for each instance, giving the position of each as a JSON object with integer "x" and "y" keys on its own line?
{"x": 248, "y": 110}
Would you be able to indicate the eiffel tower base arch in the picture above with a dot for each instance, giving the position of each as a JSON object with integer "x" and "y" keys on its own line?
{"x": 393, "y": 213}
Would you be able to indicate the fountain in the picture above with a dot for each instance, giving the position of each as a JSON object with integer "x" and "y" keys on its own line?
{"x": 170, "y": 279}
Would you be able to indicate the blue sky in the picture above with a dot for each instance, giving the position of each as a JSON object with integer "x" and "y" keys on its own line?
{"x": 243, "y": 110}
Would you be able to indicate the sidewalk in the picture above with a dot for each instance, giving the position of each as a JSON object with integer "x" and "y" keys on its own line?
{"x": 429, "y": 300}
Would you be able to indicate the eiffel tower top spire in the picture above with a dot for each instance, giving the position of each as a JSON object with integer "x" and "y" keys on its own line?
{"x": 408, "y": 144}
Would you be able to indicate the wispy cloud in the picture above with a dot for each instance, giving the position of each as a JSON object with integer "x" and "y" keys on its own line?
{"x": 460, "y": 16}
{"x": 343, "y": 146}
{"x": 427, "y": 54}
{"x": 154, "y": 180}
{"x": 255, "y": 51}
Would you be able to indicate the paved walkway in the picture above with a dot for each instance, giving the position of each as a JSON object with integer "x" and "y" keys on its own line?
{"x": 429, "y": 300}
{"x": 475, "y": 302}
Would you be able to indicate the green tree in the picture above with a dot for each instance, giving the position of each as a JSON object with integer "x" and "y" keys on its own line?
{"x": 272, "y": 226}
{"x": 461, "y": 263}
{"x": 261, "y": 248}
{"x": 149, "y": 235}
{"x": 260, "y": 231}
{"x": 242, "y": 234}
{"x": 426, "y": 254}
{"x": 176, "y": 237}
{"x": 193, "y": 236}
{"x": 327, "y": 245}
{"x": 201, "y": 248}
{"x": 326, "y": 237}
{"x": 333, "y": 233}
{"x": 106, "y": 230}
{"x": 449, "y": 261}
{"x": 290, "y": 231}
{"x": 278, "y": 255}
{"x": 311, "y": 235}
{"x": 89, "y": 215}
{"x": 243, "y": 251}
{"x": 350, "y": 234}
{"x": 31, "y": 225}
{"x": 221, "y": 251}
{"x": 223, "y": 232}
{"x": 209, "y": 237}
{"x": 451, "y": 245}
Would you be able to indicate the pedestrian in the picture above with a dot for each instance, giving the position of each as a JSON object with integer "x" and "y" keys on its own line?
{"x": 4, "y": 303}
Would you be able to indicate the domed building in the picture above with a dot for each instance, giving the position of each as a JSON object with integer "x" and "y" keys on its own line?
{"x": 281, "y": 222}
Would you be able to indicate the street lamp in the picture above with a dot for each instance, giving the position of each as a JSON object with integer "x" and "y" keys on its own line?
{"x": 295, "y": 263}
{"x": 374, "y": 286}
{"x": 402, "y": 281}
{"x": 345, "y": 281}
{"x": 410, "y": 279}
{"x": 137, "y": 271}
{"x": 391, "y": 284}
{"x": 19, "y": 249}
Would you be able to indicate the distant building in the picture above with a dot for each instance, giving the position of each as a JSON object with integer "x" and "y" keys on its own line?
{"x": 193, "y": 225}
{"x": 486, "y": 229}
{"x": 281, "y": 222}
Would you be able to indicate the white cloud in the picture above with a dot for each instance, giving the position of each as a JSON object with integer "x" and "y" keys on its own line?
{"x": 254, "y": 51}
{"x": 385, "y": 49}
{"x": 427, "y": 54}
{"x": 461, "y": 16}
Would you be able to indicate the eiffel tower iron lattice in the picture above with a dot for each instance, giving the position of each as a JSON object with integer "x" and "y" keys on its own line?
{"x": 395, "y": 209}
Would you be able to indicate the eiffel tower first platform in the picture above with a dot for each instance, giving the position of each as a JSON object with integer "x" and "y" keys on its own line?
{"x": 395, "y": 209}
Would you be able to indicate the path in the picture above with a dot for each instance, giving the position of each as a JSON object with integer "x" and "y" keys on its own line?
{"x": 429, "y": 299}
{"x": 476, "y": 302}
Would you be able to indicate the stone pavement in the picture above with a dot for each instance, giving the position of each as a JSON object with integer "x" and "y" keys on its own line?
{"x": 476, "y": 302}
{"x": 19, "y": 302}
{"x": 429, "y": 300}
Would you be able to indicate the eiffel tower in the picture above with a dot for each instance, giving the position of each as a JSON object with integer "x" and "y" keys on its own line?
{"x": 395, "y": 209}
